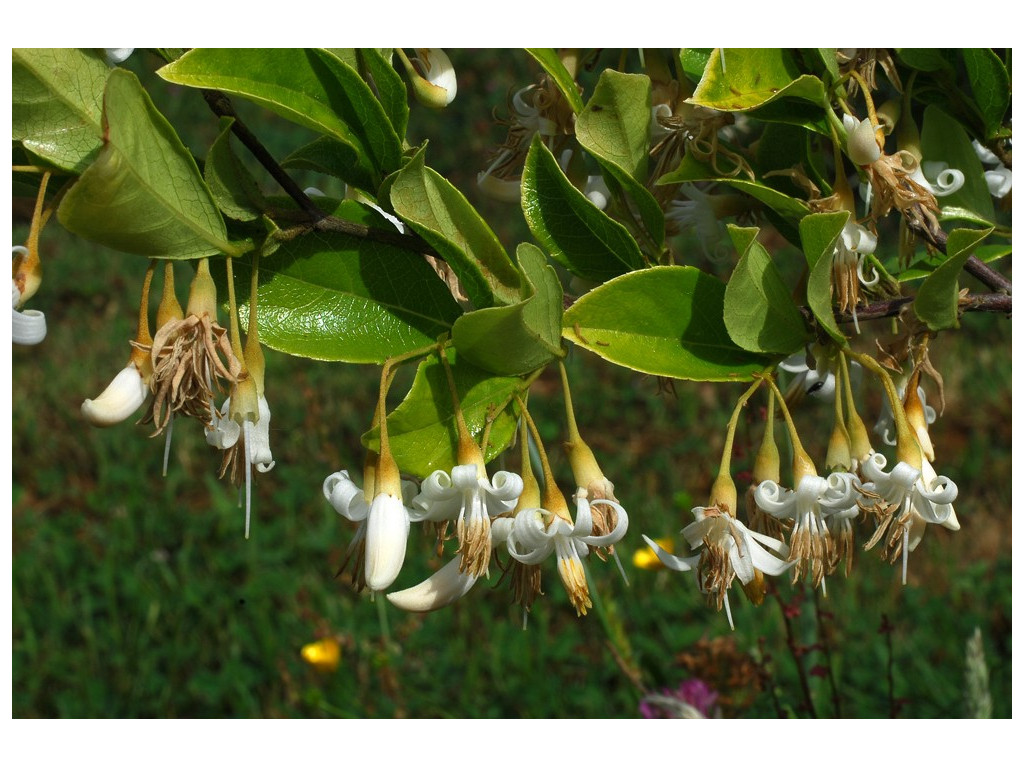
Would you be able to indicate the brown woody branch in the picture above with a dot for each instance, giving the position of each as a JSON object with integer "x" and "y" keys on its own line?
{"x": 975, "y": 266}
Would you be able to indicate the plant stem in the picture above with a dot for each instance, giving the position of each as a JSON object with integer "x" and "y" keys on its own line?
{"x": 794, "y": 651}
{"x": 827, "y": 650}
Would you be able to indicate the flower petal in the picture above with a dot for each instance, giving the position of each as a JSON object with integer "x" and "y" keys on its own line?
{"x": 387, "y": 533}
{"x": 442, "y": 588}
{"x": 119, "y": 400}
{"x": 670, "y": 560}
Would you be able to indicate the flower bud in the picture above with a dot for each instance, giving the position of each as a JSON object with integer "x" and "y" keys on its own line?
{"x": 387, "y": 532}
{"x": 202, "y": 297}
{"x": 861, "y": 144}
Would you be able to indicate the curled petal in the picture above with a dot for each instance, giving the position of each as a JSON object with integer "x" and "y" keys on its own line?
{"x": 466, "y": 477}
{"x": 867, "y": 281}
{"x": 947, "y": 180}
{"x": 119, "y": 400}
{"x": 501, "y": 529}
{"x": 841, "y": 493}
{"x": 438, "y": 498}
{"x": 442, "y": 588}
{"x": 774, "y": 499}
{"x": 387, "y": 532}
{"x": 530, "y": 540}
{"x": 873, "y": 467}
{"x": 670, "y": 560}
{"x": 505, "y": 488}
{"x": 345, "y": 496}
{"x": 987, "y": 156}
{"x": 616, "y": 534}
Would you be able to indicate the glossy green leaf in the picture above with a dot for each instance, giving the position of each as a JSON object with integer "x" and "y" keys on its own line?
{"x": 690, "y": 169}
{"x": 443, "y": 217}
{"x": 746, "y": 78}
{"x": 234, "y": 189}
{"x": 421, "y": 430}
{"x": 792, "y": 111}
{"x": 577, "y": 233}
{"x": 548, "y": 58}
{"x": 57, "y": 104}
{"x": 143, "y": 194}
{"x": 760, "y": 314}
{"x": 520, "y": 338}
{"x": 694, "y": 61}
{"x": 824, "y": 60}
{"x": 944, "y": 139}
{"x": 329, "y": 296}
{"x": 937, "y": 300}
{"x": 818, "y": 235}
{"x": 666, "y": 321}
{"x": 990, "y": 84}
{"x": 311, "y": 87}
{"x": 614, "y": 127}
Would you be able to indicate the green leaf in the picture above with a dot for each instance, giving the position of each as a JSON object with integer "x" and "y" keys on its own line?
{"x": 614, "y": 127}
{"x": 693, "y": 62}
{"x": 924, "y": 59}
{"x": 335, "y": 158}
{"x": 579, "y": 235}
{"x": 666, "y": 321}
{"x": 311, "y": 87}
{"x": 522, "y": 337}
{"x": 329, "y": 296}
{"x": 548, "y": 58}
{"x": 937, "y": 300}
{"x": 943, "y": 138}
{"x": 690, "y": 169}
{"x": 760, "y": 314}
{"x": 825, "y": 60}
{"x": 793, "y": 112}
{"x": 388, "y": 86}
{"x": 143, "y": 194}
{"x": 990, "y": 84}
{"x": 57, "y": 104}
{"x": 927, "y": 265}
{"x": 443, "y": 217}
{"x": 421, "y": 430}
{"x": 752, "y": 77}
{"x": 818, "y": 234}
{"x": 234, "y": 189}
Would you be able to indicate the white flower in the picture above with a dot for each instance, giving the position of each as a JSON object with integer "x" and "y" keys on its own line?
{"x": 467, "y": 497}
{"x": 597, "y": 192}
{"x": 861, "y": 145}
{"x": 536, "y": 533}
{"x": 809, "y": 506}
{"x": 999, "y": 180}
{"x": 27, "y": 326}
{"x": 119, "y": 400}
{"x": 854, "y": 243}
{"x": 818, "y": 382}
{"x": 728, "y": 550}
{"x": 907, "y": 499}
{"x": 437, "y": 69}
{"x": 381, "y": 538}
{"x": 987, "y": 156}
{"x": 246, "y": 445}
{"x": 885, "y": 427}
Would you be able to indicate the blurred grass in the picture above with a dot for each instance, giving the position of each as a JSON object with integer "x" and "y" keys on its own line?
{"x": 137, "y": 596}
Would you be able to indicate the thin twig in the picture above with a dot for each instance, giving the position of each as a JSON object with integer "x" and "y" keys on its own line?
{"x": 974, "y": 265}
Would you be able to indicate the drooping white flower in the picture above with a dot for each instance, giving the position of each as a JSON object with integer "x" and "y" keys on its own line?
{"x": 537, "y": 533}
{"x": 597, "y": 192}
{"x": 885, "y": 427}
{"x": 245, "y": 439}
{"x": 122, "y": 397}
{"x": 999, "y": 179}
{"x": 727, "y": 550}
{"x": 810, "y": 505}
{"x": 469, "y": 498}
{"x": 906, "y": 500}
{"x": 383, "y": 532}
